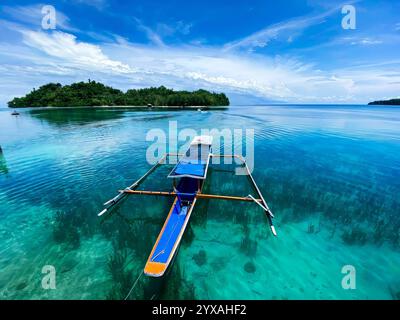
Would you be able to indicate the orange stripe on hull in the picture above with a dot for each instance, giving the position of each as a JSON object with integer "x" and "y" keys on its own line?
{"x": 155, "y": 269}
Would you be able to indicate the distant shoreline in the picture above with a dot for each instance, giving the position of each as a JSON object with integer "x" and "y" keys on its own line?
{"x": 164, "y": 107}
{"x": 152, "y": 108}
{"x": 199, "y": 107}
{"x": 391, "y": 102}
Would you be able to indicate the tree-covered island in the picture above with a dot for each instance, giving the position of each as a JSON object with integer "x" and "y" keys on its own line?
{"x": 93, "y": 93}
{"x": 391, "y": 102}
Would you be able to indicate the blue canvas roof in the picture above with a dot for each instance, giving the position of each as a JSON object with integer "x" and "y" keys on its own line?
{"x": 196, "y": 169}
{"x": 194, "y": 163}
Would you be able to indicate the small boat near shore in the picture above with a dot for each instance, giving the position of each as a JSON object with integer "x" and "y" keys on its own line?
{"x": 15, "y": 113}
{"x": 188, "y": 177}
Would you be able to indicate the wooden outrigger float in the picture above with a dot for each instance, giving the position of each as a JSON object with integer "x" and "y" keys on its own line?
{"x": 188, "y": 178}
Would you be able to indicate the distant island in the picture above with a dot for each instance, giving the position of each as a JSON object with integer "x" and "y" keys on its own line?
{"x": 93, "y": 93}
{"x": 391, "y": 102}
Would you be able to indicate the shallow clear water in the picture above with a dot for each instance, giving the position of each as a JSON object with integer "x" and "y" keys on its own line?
{"x": 329, "y": 173}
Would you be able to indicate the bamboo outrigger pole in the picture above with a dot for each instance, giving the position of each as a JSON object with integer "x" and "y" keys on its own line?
{"x": 112, "y": 202}
{"x": 198, "y": 195}
{"x": 267, "y": 210}
{"x": 263, "y": 204}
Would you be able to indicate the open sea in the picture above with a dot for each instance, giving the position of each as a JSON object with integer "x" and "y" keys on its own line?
{"x": 330, "y": 174}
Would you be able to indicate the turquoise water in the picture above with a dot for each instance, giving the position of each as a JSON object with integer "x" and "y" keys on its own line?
{"x": 329, "y": 173}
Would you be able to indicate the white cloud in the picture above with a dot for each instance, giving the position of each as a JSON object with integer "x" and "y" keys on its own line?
{"x": 65, "y": 47}
{"x": 32, "y": 15}
{"x": 366, "y": 42}
{"x": 173, "y": 29}
{"x": 153, "y": 36}
{"x": 287, "y": 29}
{"x": 276, "y": 78}
{"x": 162, "y": 30}
{"x": 98, "y": 4}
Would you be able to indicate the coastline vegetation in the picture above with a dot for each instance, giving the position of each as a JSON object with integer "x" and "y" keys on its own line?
{"x": 391, "y": 102}
{"x": 94, "y": 93}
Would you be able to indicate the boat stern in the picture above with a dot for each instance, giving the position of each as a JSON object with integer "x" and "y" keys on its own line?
{"x": 155, "y": 269}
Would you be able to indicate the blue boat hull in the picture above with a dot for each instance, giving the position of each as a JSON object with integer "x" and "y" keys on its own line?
{"x": 172, "y": 231}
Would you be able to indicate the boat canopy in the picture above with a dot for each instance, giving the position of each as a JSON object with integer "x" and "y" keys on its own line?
{"x": 194, "y": 163}
{"x": 205, "y": 140}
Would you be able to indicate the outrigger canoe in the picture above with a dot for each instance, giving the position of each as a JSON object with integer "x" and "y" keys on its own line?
{"x": 188, "y": 178}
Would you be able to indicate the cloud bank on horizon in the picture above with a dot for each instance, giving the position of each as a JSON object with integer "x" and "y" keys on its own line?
{"x": 291, "y": 51}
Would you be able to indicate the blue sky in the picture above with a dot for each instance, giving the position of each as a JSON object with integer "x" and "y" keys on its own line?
{"x": 255, "y": 51}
